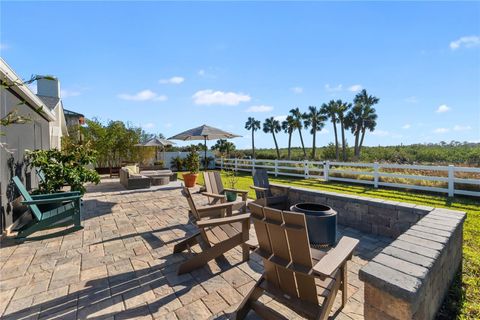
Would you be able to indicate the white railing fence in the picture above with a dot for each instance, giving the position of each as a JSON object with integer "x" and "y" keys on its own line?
{"x": 375, "y": 174}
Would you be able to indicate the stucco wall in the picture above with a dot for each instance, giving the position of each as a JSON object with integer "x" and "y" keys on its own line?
{"x": 17, "y": 138}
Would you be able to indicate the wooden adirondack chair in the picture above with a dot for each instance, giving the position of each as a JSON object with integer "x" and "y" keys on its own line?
{"x": 262, "y": 191}
{"x": 216, "y": 191}
{"x": 217, "y": 235}
{"x": 67, "y": 210}
{"x": 295, "y": 274}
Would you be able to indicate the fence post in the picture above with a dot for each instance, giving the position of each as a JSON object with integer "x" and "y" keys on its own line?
{"x": 253, "y": 166}
{"x": 451, "y": 180}
{"x": 326, "y": 167}
{"x": 276, "y": 167}
{"x": 235, "y": 164}
{"x": 375, "y": 174}
{"x": 221, "y": 163}
{"x": 305, "y": 169}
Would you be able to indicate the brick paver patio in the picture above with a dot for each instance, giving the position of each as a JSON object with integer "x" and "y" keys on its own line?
{"x": 121, "y": 266}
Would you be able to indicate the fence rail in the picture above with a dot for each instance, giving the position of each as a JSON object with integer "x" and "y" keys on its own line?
{"x": 376, "y": 174}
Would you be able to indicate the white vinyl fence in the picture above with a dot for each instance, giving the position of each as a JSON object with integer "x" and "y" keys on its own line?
{"x": 366, "y": 173}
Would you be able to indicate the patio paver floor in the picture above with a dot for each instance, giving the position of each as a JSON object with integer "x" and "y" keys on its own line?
{"x": 121, "y": 266}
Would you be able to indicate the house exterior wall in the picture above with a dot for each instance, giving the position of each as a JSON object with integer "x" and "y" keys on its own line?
{"x": 16, "y": 139}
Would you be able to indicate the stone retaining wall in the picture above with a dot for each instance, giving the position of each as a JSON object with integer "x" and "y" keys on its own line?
{"x": 410, "y": 277}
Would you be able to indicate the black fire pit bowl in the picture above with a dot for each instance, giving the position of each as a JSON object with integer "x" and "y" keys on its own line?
{"x": 321, "y": 223}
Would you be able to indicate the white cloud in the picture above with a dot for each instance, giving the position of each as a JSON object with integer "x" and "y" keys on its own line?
{"x": 467, "y": 42}
{"x": 443, "y": 108}
{"x": 280, "y": 118}
{"x": 355, "y": 88}
{"x": 441, "y": 130}
{"x": 168, "y": 125}
{"x": 4, "y": 46}
{"x": 210, "y": 97}
{"x": 329, "y": 88}
{"x": 461, "y": 128}
{"x": 406, "y": 126}
{"x": 144, "y": 95}
{"x": 260, "y": 108}
{"x": 148, "y": 125}
{"x": 297, "y": 90}
{"x": 172, "y": 80}
{"x": 65, "y": 93}
{"x": 324, "y": 131}
{"x": 411, "y": 99}
{"x": 201, "y": 72}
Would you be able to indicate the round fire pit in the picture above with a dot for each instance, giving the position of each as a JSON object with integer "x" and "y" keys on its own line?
{"x": 321, "y": 223}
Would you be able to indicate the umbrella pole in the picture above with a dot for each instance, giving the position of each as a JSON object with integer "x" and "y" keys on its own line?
{"x": 205, "y": 154}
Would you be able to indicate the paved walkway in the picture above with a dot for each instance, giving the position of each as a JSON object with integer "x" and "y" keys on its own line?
{"x": 121, "y": 266}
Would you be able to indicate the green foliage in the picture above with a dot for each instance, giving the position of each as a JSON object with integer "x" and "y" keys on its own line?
{"x": 192, "y": 161}
{"x": 224, "y": 147}
{"x": 231, "y": 178}
{"x": 178, "y": 163}
{"x": 66, "y": 167}
{"x": 114, "y": 142}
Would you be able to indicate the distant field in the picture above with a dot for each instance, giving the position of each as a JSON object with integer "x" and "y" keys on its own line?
{"x": 467, "y": 154}
{"x": 463, "y": 301}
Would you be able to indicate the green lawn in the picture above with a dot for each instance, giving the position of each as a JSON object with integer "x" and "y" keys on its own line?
{"x": 464, "y": 303}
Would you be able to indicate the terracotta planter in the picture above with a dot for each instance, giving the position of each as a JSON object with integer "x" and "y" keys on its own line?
{"x": 190, "y": 179}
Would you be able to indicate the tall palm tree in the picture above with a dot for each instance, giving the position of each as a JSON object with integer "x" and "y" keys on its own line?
{"x": 252, "y": 125}
{"x": 353, "y": 121}
{"x": 271, "y": 125}
{"x": 342, "y": 108}
{"x": 289, "y": 126}
{"x": 330, "y": 111}
{"x": 314, "y": 119}
{"x": 368, "y": 116}
{"x": 297, "y": 116}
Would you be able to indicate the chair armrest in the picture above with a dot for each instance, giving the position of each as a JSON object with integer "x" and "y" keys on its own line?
{"x": 213, "y": 195}
{"x": 55, "y": 195}
{"x": 235, "y": 190}
{"x": 259, "y": 189}
{"x": 226, "y": 220}
{"x": 214, "y": 207}
{"x": 336, "y": 257}
{"x": 52, "y": 200}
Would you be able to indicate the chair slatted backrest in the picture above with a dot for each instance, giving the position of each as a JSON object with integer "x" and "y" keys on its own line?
{"x": 40, "y": 175}
{"x": 260, "y": 179}
{"x": 23, "y": 191}
{"x": 213, "y": 182}
{"x": 283, "y": 237}
{"x": 186, "y": 193}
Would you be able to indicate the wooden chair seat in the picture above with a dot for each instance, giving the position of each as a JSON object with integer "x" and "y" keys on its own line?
{"x": 219, "y": 231}
{"x": 304, "y": 279}
{"x": 66, "y": 210}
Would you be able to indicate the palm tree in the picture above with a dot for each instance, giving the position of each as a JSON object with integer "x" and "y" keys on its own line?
{"x": 271, "y": 125}
{"x": 298, "y": 118}
{"x": 314, "y": 118}
{"x": 253, "y": 125}
{"x": 289, "y": 126}
{"x": 342, "y": 108}
{"x": 330, "y": 111}
{"x": 367, "y": 120}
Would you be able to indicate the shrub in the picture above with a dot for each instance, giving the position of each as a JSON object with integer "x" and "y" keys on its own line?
{"x": 66, "y": 167}
{"x": 178, "y": 163}
{"x": 192, "y": 161}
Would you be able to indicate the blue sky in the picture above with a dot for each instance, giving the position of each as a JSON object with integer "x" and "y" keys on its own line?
{"x": 172, "y": 66}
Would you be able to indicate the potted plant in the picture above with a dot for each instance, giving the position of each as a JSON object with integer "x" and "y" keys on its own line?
{"x": 192, "y": 163}
{"x": 232, "y": 180}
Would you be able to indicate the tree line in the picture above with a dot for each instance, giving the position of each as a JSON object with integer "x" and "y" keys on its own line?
{"x": 358, "y": 117}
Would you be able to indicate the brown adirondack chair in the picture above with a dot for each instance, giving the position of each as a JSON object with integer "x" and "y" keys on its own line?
{"x": 304, "y": 279}
{"x": 217, "y": 235}
{"x": 216, "y": 191}
{"x": 263, "y": 192}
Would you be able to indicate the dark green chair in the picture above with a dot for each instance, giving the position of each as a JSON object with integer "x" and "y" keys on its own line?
{"x": 50, "y": 210}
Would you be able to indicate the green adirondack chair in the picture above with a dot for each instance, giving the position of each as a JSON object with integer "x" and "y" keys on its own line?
{"x": 66, "y": 211}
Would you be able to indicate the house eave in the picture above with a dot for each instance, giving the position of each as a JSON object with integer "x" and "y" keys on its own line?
{"x": 24, "y": 91}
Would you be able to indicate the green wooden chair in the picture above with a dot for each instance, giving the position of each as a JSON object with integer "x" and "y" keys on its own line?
{"x": 50, "y": 210}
